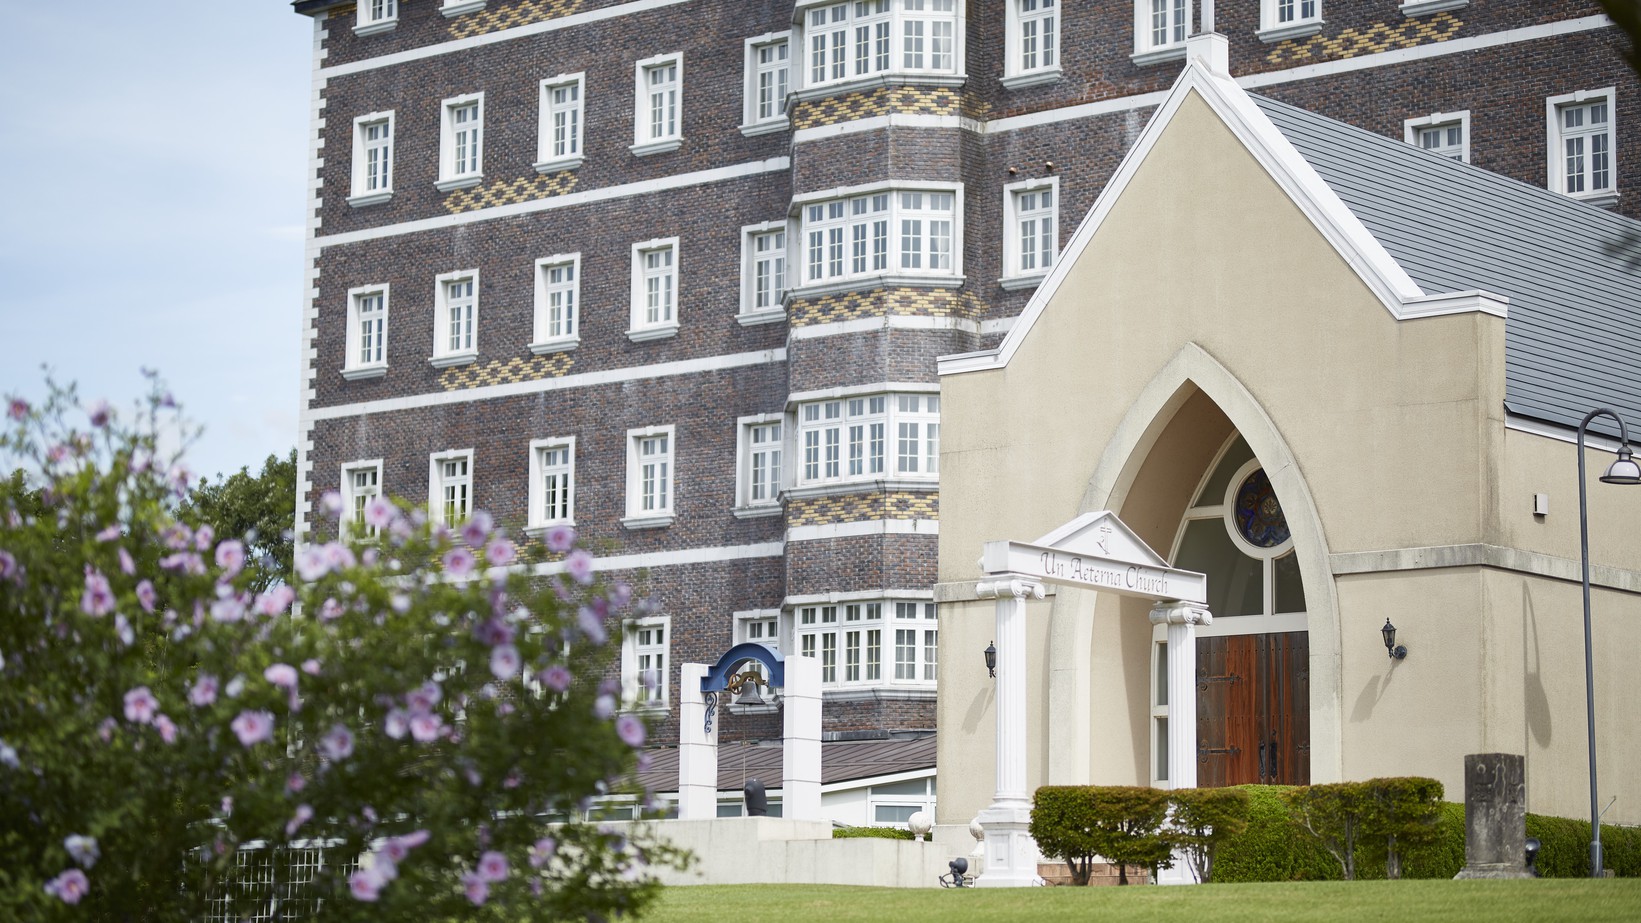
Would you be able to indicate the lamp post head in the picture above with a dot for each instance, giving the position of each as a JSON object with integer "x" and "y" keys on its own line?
{"x": 1624, "y": 470}
{"x": 1396, "y": 651}
{"x": 991, "y": 659}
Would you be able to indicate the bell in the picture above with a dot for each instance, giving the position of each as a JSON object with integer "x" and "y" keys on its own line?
{"x": 750, "y": 694}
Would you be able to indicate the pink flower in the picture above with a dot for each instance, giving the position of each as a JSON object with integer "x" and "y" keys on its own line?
{"x": 184, "y": 561}
{"x": 505, "y": 662}
{"x": 8, "y": 565}
{"x": 275, "y": 601}
{"x": 127, "y": 566}
{"x": 146, "y": 595}
{"x": 493, "y": 866}
{"x": 204, "y": 691}
{"x": 366, "y": 884}
{"x": 493, "y": 631}
{"x": 338, "y": 744}
{"x": 630, "y": 730}
{"x": 500, "y": 553}
{"x": 397, "y": 724}
{"x": 478, "y": 891}
{"x": 72, "y": 885}
{"x": 228, "y": 609}
{"x": 330, "y": 503}
{"x": 338, "y": 556}
{"x": 167, "y": 728}
{"x": 82, "y": 849}
{"x": 202, "y": 538}
{"x": 579, "y": 565}
{"x": 310, "y": 667}
{"x": 282, "y": 675}
{"x": 98, "y": 598}
{"x": 231, "y": 557}
{"x": 295, "y": 783}
{"x": 542, "y": 852}
{"x": 140, "y": 705}
{"x": 591, "y": 624}
{"x": 122, "y": 629}
{"x": 311, "y": 564}
{"x": 604, "y": 707}
{"x": 556, "y": 677}
{"x": 109, "y": 534}
{"x": 477, "y": 529}
{"x": 459, "y": 562}
{"x": 17, "y": 408}
{"x": 560, "y": 538}
{"x": 398, "y": 848}
{"x": 380, "y": 512}
{"x": 304, "y": 813}
{"x": 253, "y": 727}
{"x": 424, "y": 697}
{"x": 99, "y": 412}
{"x": 426, "y": 727}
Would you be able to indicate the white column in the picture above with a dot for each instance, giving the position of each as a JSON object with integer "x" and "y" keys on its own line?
{"x": 801, "y": 755}
{"x": 697, "y": 748}
{"x": 1011, "y": 854}
{"x": 1182, "y": 620}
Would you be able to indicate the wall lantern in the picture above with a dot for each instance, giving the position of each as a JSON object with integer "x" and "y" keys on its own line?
{"x": 991, "y": 659}
{"x": 1396, "y": 651}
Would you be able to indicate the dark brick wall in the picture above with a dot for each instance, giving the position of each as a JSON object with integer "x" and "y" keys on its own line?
{"x": 860, "y": 562}
{"x": 869, "y": 356}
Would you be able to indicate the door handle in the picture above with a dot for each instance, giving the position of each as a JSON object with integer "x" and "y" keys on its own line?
{"x": 1262, "y": 761}
{"x": 1274, "y": 770}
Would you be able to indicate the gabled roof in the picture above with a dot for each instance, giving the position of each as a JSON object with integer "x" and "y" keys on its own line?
{"x": 1571, "y": 271}
{"x": 841, "y": 761}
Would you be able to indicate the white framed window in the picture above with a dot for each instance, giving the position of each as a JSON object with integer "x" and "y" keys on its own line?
{"x": 450, "y": 486}
{"x": 760, "y": 448}
{"x": 1444, "y": 133}
{"x": 654, "y": 290}
{"x": 376, "y": 16}
{"x": 646, "y": 658}
{"x": 768, "y": 79}
{"x": 455, "y": 318}
{"x": 361, "y": 483}
{"x": 454, "y": 8}
{"x": 760, "y": 626}
{"x": 870, "y": 642}
{"x": 763, "y": 273}
{"x": 868, "y": 437}
{"x": 372, "y": 159}
{"x": 1032, "y": 33}
{"x": 876, "y": 237}
{"x": 650, "y": 477}
{"x": 1412, "y": 8}
{"x": 1160, "y": 30}
{"x": 1030, "y": 231}
{"x": 367, "y": 333}
{"x": 558, "y": 299}
{"x": 892, "y": 804}
{"x": 552, "y": 482}
{"x": 461, "y": 142}
{"x": 1582, "y": 149}
{"x": 860, "y": 40}
{"x": 1285, "y": 19}
{"x": 658, "y": 105}
{"x": 563, "y": 110}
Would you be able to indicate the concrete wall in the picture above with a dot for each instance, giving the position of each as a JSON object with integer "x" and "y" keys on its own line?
{"x": 773, "y": 850}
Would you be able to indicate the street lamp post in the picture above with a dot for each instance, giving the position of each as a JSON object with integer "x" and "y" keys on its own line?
{"x": 1622, "y": 471}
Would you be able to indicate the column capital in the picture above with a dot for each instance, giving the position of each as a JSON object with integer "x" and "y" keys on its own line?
{"x": 1007, "y": 585}
{"x": 1174, "y": 612}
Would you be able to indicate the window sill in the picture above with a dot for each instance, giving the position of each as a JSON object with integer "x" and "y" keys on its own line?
{"x": 653, "y": 521}
{"x": 898, "y": 79}
{"x": 866, "y": 283}
{"x": 1035, "y": 78}
{"x": 1016, "y": 283}
{"x": 365, "y": 372}
{"x": 1599, "y": 199}
{"x": 757, "y": 512}
{"x": 650, "y": 334}
{"x": 557, "y": 166}
{"x": 861, "y": 486}
{"x": 764, "y": 316}
{"x": 458, "y": 182}
{"x": 1283, "y": 33}
{"x": 453, "y": 360}
{"x": 549, "y": 347}
{"x": 753, "y": 129}
{"x": 656, "y": 147}
{"x": 376, "y": 28}
{"x": 451, "y": 10}
{"x": 370, "y": 198}
{"x": 1412, "y": 8}
{"x": 1157, "y": 55}
{"x": 875, "y": 691}
{"x": 538, "y": 531}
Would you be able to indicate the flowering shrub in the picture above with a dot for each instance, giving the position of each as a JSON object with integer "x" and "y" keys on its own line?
{"x": 412, "y": 709}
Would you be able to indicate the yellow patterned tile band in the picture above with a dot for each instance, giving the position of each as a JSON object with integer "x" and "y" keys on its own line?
{"x": 919, "y": 302}
{"x": 507, "y": 15}
{"x": 820, "y": 511}
{"x": 508, "y": 191}
{"x": 849, "y": 107}
{"x": 506, "y": 371}
{"x": 1349, "y": 43}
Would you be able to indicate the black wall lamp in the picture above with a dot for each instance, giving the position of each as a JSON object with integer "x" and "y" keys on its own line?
{"x": 991, "y": 659}
{"x": 1396, "y": 651}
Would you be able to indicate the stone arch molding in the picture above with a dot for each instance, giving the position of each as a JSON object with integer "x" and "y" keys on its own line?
{"x": 1114, "y": 475}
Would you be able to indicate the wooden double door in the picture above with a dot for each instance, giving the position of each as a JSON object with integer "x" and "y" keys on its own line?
{"x": 1253, "y": 710}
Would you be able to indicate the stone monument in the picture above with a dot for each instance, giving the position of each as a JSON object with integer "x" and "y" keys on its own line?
{"x": 1495, "y": 816}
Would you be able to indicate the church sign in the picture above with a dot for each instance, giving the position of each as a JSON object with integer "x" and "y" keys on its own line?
{"x": 1079, "y": 568}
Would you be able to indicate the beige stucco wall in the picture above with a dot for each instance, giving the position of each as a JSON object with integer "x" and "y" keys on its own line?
{"x": 1381, "y": 435}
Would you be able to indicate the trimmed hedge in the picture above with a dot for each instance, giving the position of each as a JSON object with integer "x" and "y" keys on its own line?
{"x": 871, "y": 833}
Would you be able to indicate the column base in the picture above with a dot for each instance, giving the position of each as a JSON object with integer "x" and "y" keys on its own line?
{"x": 1011, "y": 853}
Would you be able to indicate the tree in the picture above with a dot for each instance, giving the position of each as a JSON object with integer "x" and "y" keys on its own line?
{"x": 1337, "y": 814}
{"x": 257, "y": 509}
{"x": 1121, "y": 824}
{"x": 1203, "y": 818}
{"x": 382, "y": 739}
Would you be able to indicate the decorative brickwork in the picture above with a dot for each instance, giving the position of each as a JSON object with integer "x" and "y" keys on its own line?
{"x": 1348, "y": 43}
{"x": 906, "y": 302}
{"x": 904, "y": 100}
{"x": 900, "y": 504}
{"x": 508, "y": 191}
{"x": 508, "y": 15}
{"x": 506, "y": 371}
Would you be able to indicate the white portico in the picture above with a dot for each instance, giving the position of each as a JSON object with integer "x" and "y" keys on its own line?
{"x": 1094, "y": 551}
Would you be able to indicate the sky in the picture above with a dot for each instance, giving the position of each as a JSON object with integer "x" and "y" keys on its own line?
{"x": 155, "y": 157}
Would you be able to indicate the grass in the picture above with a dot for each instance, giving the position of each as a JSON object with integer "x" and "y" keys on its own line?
{"x": 1539, "y": 899}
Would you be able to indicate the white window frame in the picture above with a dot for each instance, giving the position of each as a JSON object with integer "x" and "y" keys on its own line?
{"x": 1022, "y": 25}
{"x": 376, "y": 16}
{"x": 537, "y": 519}
{"x": 363, "y": 193}
{"x": 548, "y": 158}
{"x": 354, "y": 365}
{"x": 1556, "y": 175}
{"x": 751, "y": 312}
{"x": 646, "y": 139}
{"x": 1147, "y": 50}
{"x": 641, "y": 329}
{"x": 876, "y": 797}
{"x": 849, "y": 438}
{"x": 1015, "y": 275}
{"x": 754, "y": 121}
{"x": 633, "y": 692}
{"x": 901, "y": 39}
{"x": 454, "y": 8}
{"x": 1304, "y": 17}
{"x": 450, "y": 177}
{"x": 858, "y": 269}
{"x": 1412, "y": 129}
{"x": 544, "y": 339}
{"x": 436, "y": 484}
{"x": 1412, "y": 8}
{"x": 354, "y": 499}
{"x": 759, "y": 626}
{"x": 837, "y": 631}
{"x": 660, "y": 511}
{"x": 751, "y": 457}
{"x": 445, "y": 355}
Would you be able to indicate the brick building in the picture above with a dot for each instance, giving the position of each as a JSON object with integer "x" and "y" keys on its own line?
{"x": 677, "y": 273}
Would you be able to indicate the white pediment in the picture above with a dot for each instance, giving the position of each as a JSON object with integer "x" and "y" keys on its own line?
{"x": 1101, "y": 535}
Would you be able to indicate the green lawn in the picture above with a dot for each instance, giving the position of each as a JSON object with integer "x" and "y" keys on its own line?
{"x": 1542, "y": 899}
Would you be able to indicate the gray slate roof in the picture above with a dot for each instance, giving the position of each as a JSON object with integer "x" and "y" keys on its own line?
{"x": 841, "y": 761}
{"x": 1572, "y": 271}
